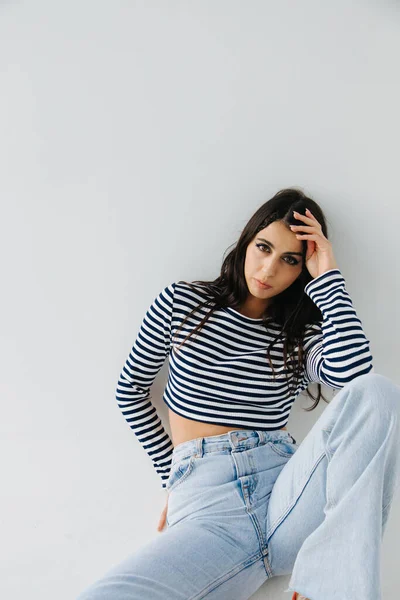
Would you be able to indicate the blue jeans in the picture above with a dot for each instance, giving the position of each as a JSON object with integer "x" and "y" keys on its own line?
{"x": 247, "y": 505}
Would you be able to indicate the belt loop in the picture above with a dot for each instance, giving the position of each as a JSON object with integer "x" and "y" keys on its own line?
{"x": 199, "y": 443}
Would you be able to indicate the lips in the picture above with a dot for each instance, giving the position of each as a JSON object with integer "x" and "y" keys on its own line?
{"x": 263, "y": 285}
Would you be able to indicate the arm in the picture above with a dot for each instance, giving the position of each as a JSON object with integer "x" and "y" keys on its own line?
{"x": 151, "y": 347}
{"x": 337, "y": 350}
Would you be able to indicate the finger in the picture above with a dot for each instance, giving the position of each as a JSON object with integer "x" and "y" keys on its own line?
{"x": 308, "y": 218}
{"x": 308, "y": 236}
{"x": 321, "y": 242}
{"x": 310, "y": 230}
{"x": 161, "y": 525}
{"x": 301, "y": 217}
{"x": 310, "y": 215}
{"x": 308, "y": 227}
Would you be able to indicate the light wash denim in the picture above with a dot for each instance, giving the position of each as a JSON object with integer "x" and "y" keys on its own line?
{"x": 247, "y": 505}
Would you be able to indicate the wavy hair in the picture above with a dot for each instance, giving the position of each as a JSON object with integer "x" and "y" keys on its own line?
{"x": 293, "y": 310}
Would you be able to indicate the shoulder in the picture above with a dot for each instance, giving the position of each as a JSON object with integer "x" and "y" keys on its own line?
{"x": 191, "y": 289}
{"x": 182, "y": 294}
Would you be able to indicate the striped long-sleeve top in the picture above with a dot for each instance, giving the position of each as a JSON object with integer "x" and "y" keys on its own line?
{"x": 221, "y": 374}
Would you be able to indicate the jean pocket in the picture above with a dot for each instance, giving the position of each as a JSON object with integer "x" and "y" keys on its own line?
{"x": 283, "y": 448}
{"x": 180, "y": 471}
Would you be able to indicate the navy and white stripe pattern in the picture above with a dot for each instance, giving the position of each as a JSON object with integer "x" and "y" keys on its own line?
{"x": 221, "y": 374}
{"x": 337, "y": 350}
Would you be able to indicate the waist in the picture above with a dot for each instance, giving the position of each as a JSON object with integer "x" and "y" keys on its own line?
{"x": 184, "y": 429}
{"x": 234, "y": 440}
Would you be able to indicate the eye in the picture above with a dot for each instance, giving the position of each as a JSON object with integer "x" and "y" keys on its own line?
{"x": 290, "y": 259}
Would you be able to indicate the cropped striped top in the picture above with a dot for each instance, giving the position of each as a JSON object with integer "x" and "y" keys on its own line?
{"x": 221, "y": 374}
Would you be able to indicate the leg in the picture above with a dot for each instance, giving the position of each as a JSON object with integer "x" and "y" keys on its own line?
{"x": 209, "y": 550}
{"x": 185, "y": 562}
{"x": 330, "y": 503}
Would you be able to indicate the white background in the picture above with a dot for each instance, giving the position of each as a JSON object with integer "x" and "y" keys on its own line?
{"x": 136, "y": 140}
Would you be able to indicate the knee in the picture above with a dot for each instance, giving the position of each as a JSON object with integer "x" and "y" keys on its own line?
{"x": 382, "y": 392}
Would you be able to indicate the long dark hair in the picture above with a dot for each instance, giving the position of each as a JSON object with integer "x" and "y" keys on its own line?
{"x": 292, "y": 309}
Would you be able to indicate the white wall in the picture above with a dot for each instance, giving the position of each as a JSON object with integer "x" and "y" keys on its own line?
{"x": 136, "y": 139}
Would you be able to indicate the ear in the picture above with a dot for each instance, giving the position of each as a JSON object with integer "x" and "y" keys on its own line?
{"x": 311, "y": 245}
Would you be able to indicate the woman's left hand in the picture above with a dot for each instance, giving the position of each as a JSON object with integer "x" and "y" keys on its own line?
{"x": 319, "y": 256}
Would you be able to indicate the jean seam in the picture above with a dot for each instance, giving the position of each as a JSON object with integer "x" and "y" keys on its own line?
{"x": 226, "y": 576}
{"x": 280, "y": 452}
{"x": 329, "y": 498}
{"x": 187, "y": 472}
{"x": 279, "y": 520}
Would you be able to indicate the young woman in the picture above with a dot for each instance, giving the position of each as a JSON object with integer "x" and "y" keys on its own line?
{"x": 245, "y": 502}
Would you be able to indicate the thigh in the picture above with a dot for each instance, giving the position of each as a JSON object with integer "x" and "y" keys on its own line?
{"x": 187, "y": 561}
{"x": 297, "y": 501}
{"x": 303, "y": 495}
{"x": 210, "y": 548}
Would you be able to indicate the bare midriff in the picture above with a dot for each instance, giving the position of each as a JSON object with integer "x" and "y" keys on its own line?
{"x": 183, "y": 429}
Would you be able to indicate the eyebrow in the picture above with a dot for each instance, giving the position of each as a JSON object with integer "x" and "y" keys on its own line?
{"x": 272, "y": 246}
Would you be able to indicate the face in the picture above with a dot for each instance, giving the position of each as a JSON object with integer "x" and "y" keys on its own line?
{"x": 270, "y": 263}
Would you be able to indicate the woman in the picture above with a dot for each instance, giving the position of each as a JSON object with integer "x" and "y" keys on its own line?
{"x": 245, "y": 502}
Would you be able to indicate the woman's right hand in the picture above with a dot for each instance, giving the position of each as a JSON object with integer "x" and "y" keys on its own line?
{"x": 163, "y": 518}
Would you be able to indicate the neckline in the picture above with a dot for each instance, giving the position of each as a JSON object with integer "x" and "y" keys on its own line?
{"x": 244, "y": 317}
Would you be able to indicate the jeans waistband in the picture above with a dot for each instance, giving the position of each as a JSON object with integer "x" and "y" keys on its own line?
{"x": 237, "y": 440}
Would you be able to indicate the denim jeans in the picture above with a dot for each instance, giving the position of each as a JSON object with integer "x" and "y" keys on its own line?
{"x": 247, "y": 505}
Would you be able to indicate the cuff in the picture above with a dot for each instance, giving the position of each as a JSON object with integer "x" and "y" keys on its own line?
{"x": 318, "y": 283}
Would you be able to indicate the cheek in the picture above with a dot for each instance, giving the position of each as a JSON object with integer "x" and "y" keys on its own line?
{"x": 297, "y": 272}
{"x": 291, "y": 274}
{"x": 252, "y": 256}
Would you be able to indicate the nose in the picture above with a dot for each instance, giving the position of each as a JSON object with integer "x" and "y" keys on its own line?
{"x": 270, "y": 268}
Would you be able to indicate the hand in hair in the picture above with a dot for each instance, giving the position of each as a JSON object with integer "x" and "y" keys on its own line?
{"x": 319, "y": 257}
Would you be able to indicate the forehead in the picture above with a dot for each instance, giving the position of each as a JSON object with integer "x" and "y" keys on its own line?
{"x": 281, "y": 237}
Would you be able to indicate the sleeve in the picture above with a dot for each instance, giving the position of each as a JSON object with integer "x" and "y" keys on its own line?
{"x": 149, "y": 351}
{"x": 336, "y": 350}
